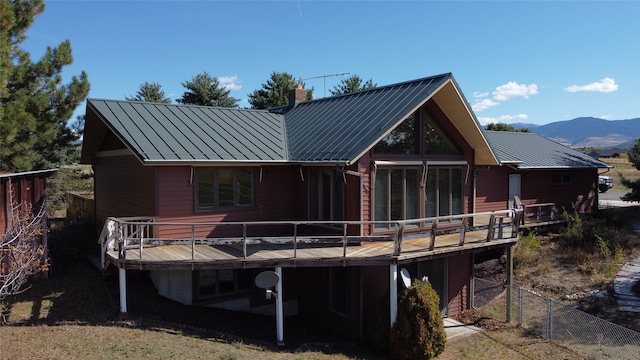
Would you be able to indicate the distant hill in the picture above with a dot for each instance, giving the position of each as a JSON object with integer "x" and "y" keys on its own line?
{"x": 589, "y": 132}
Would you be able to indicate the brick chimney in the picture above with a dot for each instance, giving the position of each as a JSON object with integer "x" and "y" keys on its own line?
{"x": 297, "y": 94}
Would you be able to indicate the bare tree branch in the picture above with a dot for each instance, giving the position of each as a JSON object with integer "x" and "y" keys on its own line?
{"x": 21, "y": 252}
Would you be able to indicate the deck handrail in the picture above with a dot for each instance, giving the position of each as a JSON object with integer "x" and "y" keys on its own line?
{"x": 134, "y": 232}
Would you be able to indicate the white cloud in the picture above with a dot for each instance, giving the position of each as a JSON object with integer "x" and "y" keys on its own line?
{"x": 504, "y": 119}
{"x": 484, "y": 105}
{"x": 513, "y": 89}
{"x": 503, "y": 93}
{"x": 229, "y": 82}
{"x": 605, "y": 85}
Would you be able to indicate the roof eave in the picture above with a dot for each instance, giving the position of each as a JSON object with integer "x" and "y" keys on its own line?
{"x": 451, "y": 101}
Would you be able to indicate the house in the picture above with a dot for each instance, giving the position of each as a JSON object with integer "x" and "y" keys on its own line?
{"x": 607, "y": 153}
{"x": 537, "y": 170}
{"x": 342, "y": 196}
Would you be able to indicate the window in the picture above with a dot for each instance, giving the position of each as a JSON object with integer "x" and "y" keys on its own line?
{"x": 220, "y": 188}
{"x": 419, "y": 128}
{"x": 401, "y": 140}
{"x": 444, "y": 191}
{"x": 338, "y": 290}
{"x": 218, "y": 282}
{"x": 397, "y": 194}
{"x": 562, "y": 178}
{"x": 326, "y": 194}
{"x": 435, "y": 141}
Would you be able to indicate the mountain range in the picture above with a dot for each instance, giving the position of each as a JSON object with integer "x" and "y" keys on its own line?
{"x": 589, "y": 132}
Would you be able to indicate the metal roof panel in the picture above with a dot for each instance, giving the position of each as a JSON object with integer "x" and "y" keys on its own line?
{"x": 532, "y": 151}
{"x": 157, "y": 132}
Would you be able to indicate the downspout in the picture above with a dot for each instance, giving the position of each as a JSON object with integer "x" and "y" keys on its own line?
{"x": 393, "y": 294}
{"x": 279, "y": 309}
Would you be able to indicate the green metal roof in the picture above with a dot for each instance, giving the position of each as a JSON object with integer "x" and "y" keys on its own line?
{"x": 342, "y": 128}
{"x": 167, "y": 133}
{"x": 330, "y": 130}
{"x": 532, "y": 151}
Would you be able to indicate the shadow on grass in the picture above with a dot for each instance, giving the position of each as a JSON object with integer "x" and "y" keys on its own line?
{"x": 77, "y": 293}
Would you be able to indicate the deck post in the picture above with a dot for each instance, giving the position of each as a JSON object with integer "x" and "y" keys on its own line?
{"x": 122, "y": 281}
{"x": 279, "y": 309}
{"x": 509, "y": 282}
{"x": 393, "y": 293}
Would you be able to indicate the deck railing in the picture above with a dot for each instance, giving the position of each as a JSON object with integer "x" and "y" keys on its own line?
{"x": 136, "y": 233}
{"x": 540, "y": 212}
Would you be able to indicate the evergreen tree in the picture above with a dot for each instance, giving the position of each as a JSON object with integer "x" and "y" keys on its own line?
{"x": 203, "y": 89}
{"x": 352, "y": 84}
{"x": 276, "y": 91}
{"x": 150, "y": 92}
{"x": 634, "y": 185}
{"x": 506, "y": 127}
{"x": 34, "y": 104}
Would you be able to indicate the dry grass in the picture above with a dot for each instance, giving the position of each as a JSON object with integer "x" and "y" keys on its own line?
{"x": 74, "y": 314}
{"x": 621, "y": 166}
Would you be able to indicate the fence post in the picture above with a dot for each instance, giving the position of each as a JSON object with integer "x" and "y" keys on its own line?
{"x": 550, "y": 320}
{"x": 520, "y": 314}
{"x": 509, "y": 282}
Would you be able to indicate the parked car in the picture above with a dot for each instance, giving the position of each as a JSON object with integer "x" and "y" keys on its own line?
{"x": 604, "y": 183}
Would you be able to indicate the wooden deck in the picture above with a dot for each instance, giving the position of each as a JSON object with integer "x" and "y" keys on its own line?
{"x": 129, "y": 249}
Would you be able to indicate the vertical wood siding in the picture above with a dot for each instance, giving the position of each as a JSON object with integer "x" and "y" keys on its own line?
{"x": 123, "y": 187}
{"x": 27, "y": 188}
{"x": 459, "y": 277}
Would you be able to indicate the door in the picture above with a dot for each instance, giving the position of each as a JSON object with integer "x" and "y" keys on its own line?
{"x": 514, "y": 188}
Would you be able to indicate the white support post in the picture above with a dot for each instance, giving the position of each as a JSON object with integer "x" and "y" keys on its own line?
{"x": 279, "y": 309}
{"x": 122, "y": 281}
{"x": 393, "y": 293}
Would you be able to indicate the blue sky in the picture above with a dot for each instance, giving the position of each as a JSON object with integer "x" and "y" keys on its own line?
{"x": 515, "y": 61}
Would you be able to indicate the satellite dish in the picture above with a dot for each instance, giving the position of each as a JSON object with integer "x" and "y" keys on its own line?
{"x": 406, "y": 278}
{"x": 267, "y": 279}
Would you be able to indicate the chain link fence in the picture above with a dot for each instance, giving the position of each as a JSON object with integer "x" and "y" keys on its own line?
{"x": 589, "y": 335}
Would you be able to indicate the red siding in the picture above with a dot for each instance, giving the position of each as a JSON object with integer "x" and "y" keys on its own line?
{"x": 27, "y": 188}
{"x": 279, "y": 196}
{"x": 459, "y": 276}
{"x": 492, "y": 189}
{"x": 123, "y": 187}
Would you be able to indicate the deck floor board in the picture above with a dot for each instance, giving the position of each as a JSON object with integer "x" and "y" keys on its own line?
{"x": 232, "y": 255}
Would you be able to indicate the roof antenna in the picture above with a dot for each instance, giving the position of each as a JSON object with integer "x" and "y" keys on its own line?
{"x": 324, "y": 78}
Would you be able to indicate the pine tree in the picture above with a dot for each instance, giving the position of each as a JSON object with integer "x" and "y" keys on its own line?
{"x": 632, "y": 184}
{"x": 352, "y": 84}
{"x": 274, "y": 93}
{"x": 150, "y": 92}
{"x": 34, "y": 104}
{"x": 203, "y": 89}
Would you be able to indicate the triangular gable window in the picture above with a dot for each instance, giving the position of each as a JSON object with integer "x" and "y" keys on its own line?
{"x": 406, "y": 138}
{"x": 435, "y": 141}
{"x": 401, "y": 140}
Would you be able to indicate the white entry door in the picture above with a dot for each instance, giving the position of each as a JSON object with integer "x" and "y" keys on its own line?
{"x": 514, "y": 188}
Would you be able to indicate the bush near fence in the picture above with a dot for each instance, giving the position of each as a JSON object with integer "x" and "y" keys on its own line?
{"x": 589, "y": 335}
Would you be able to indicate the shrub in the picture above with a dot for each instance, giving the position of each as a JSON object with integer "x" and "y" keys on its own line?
{"x": 526, "y": 252}
{"x": 419, "y": 330}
